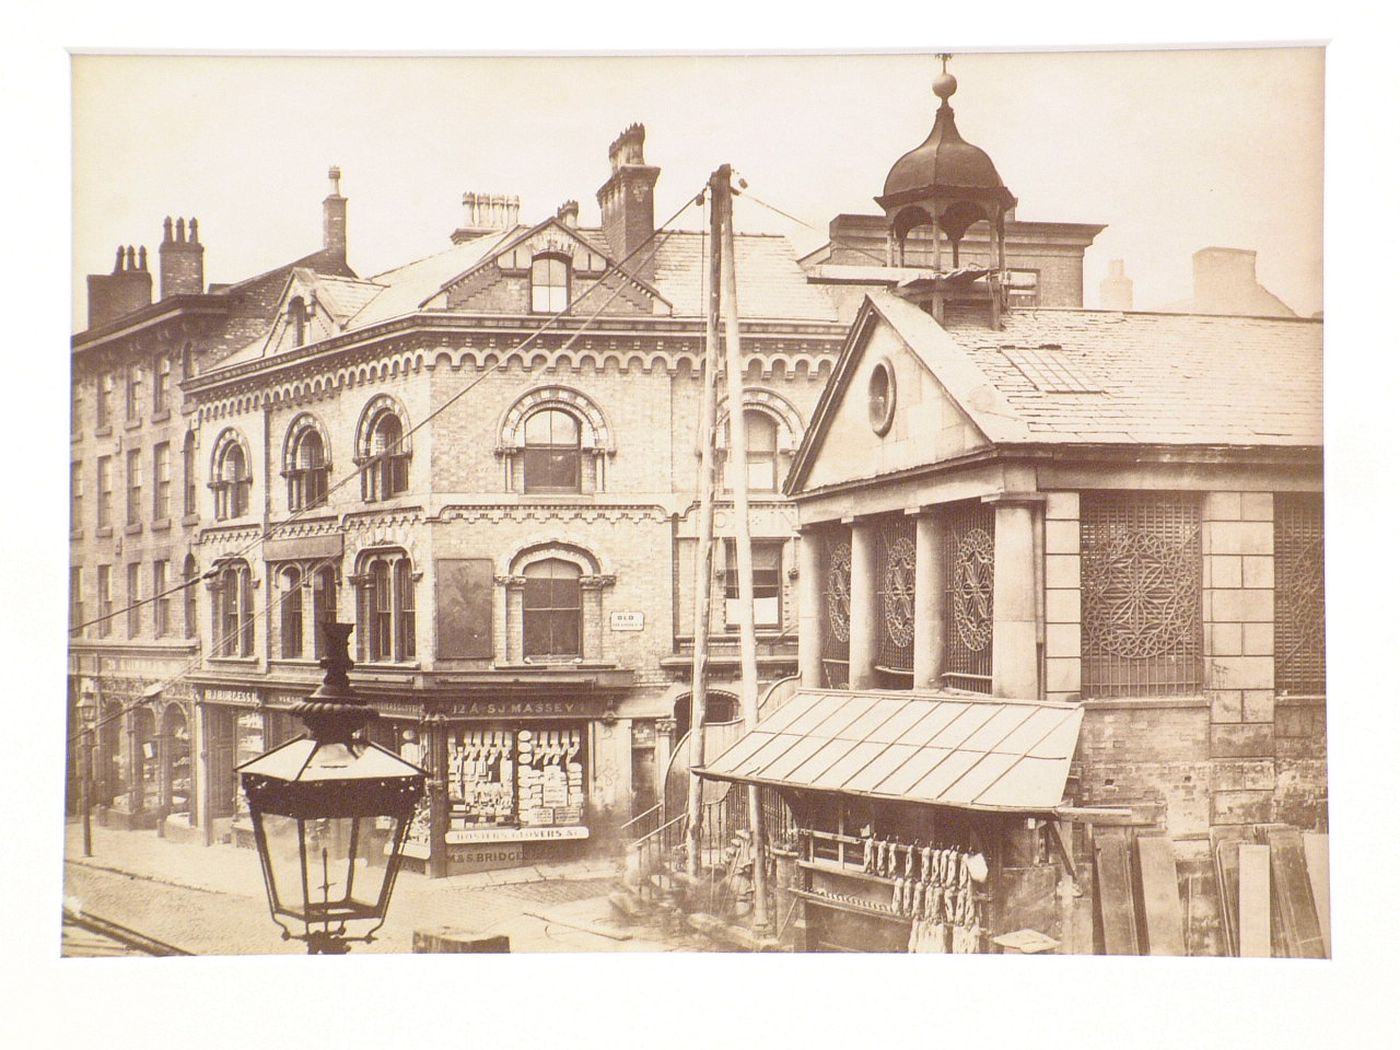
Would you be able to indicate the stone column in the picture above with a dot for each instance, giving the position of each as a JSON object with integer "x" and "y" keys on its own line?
{"x": 1015, "y": 659}
{"x": 864, "y": 621}
{"x": 514, "y": 620}
{"x": 928, "y": 601}
{"x": 438, "y": 810}
{"x": 809, "y": 609}
{"x": 135, "y": 766}
{"x": 591, "y": 639}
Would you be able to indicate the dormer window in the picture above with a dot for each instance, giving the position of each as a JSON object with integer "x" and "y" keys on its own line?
{"x": 549, "y": 284}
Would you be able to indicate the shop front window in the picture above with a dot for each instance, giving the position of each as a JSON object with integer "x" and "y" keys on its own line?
{"x": 519, "y": 775}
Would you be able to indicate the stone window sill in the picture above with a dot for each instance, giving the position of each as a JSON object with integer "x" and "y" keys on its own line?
{"x": 160, "y": 525}
{"x": 1132, "y": 703}
{"x": 133, "y": 528}
{"x": 190, "y": 519}
{"x": 104, "y": 531}
{"x": 1302, "y": 700}
{"x": 161, "y": 416}
{"x": 235, "y": 661}
{"x": 133, "y": 424}
{"x": 104, "y": 431}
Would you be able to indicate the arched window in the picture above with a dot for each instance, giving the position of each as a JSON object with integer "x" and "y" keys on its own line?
{"x": 323, "y": 606}
{"x": 191, "y": 570}
{"x": 553, "y": 456}
{"x": 384, "y": 451}
{"x": 387, "y": 625}
{"x": 232, "y": 482}
{"x": 549, "y": 284}
{"x": 291, "y": 614}
{"x": 306, "y": 466}
{"x": 296, "y": 320}
{"x": 233, "y": 611}
{"x": 553, "y": 609}
{"x": 761, "y": 433}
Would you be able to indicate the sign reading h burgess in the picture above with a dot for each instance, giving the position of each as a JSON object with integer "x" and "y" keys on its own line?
{"x": 460, "y": 835}
{"x": 238, "y": 697}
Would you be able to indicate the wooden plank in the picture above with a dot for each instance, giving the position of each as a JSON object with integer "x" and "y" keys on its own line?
{"x": 1319, "y": 877}
{"x": 1115, "y": 892}
{"x": 1255, "y": 926}
{"x": 1302, "y": 933}
{"x": 1277, "y": 936}
{"x": 1161, "y": 902}
{"x": 1226, "y": 843}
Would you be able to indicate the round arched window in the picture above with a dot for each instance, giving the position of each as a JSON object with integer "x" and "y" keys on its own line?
{"x": 880, "y": 395}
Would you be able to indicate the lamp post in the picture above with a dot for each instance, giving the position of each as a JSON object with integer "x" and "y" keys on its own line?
{"x": 315, "y": 802}
{"x": 87, "y": 714}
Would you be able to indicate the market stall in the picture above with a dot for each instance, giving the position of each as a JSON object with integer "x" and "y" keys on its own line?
{"x": 924, "y": 821}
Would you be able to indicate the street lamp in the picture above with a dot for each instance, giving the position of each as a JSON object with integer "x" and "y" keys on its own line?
{"x": 316, "y": 802}
{"x": 87, "y": 716}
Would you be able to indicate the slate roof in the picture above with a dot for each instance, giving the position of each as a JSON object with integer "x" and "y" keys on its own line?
{"x": 1161, "y": 378}
{"x": 965, "y": 751}
{"x": 772, "y": 285}
{"x": 407, "y": 287}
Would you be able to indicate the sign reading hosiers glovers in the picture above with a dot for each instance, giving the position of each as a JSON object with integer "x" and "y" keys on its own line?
{"x": 461, "y": 835}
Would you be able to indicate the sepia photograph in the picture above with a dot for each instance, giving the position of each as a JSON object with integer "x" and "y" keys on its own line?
{"x": 892, "y": 523}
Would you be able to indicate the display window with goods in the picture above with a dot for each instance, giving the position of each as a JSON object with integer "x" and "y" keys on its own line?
{"x": 502, "y": 776}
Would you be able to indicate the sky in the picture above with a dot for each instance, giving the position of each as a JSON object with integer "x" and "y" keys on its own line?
{"x": 1171, "y": 150}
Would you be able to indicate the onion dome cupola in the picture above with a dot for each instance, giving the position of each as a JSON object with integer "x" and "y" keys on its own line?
{"x": 946, "y": 182}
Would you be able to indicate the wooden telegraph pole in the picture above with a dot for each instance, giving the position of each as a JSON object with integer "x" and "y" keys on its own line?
{"x": 704, "y": 552}
{"x": 722, "y": 207}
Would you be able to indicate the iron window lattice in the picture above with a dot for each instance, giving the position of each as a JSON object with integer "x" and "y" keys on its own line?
{"x": 834, "y": 567}
{"x": 1141, "y": 579}
{"x": 894, "y": 556}
{"x": 969, "y": 547}
{"x": 1300, "y": 634}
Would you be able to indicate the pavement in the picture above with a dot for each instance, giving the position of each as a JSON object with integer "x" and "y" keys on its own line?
{"x": 210, "y": 900}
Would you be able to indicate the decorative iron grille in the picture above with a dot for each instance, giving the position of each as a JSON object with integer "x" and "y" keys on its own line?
{"x": 1300, "y": 629}
{"x": 834, "y": 566}
{"x": 969, "y": 546}
{"x": 894, "y": 558}
{"x": 1141, "y": 579}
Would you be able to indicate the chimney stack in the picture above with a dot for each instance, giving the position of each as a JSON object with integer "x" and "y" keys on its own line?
{"x": 333, "y": 212}
{"x": 484, "y": 213}
{"x": 568, "y": 214}
{"x": 181, "y": 259}
{"x": 125, "y": 290}
{"x": 629, "y": 216}
{"x": 1223, "y": 280}
{"x": 1116, "y": 290}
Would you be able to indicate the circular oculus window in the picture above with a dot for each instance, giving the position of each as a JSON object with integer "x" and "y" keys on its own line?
{"x": 881, "y": 397}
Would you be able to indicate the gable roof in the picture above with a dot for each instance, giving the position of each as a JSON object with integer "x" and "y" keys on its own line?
{"x": 1130, "y": 378}
{"x": 406, "y": 288}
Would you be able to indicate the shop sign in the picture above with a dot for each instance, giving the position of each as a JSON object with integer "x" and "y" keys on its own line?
{"x": 628, "y": 621}
{"x": 239, "y": 697}
{"x": 485, "y": 857}
{"x": 515, "y": 708}
{"x": 462, "y": 835}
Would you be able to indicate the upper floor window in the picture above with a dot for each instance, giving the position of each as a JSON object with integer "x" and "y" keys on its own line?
{"x": 106, "y": 384}
{"x": 232, "y": 482}
{"x": 133, "y": 599}
{"x": 160, "y": 392}
{"x": 104, "y": 600}
{"x": 552, "y": 611}
{"x": 290, "y": 613}
{"x": 134, "y": 380}
{"x": 191, "y": 472}
{"x": 549, "y": 284}
{"x": 1141, "y": 578}
{"x": 160, "y": 583}
{"x": 772, "y": 431}
{"x": 296, "y": 320}
{"x": 323, "y": 605}
{"x": 104, "y": 492}
{"x": 553, "y": 457}
{"x": 1300, "y": 625}
{"x": 233, "y": 610}
{"x": 160, "y": 505}
{"x": 75, "y": 599}
{"x": 387, "y": 620}
{"x": 306, "y": 466}
{"x": 189, "y": 575}
{"x": 75, "y": 495}
{"x": 133, "y": 487}
{"x": 767, "y": 583}
{"x": 383, "y": 450}
{"x": 75, "y": 417}
{"x": 761, "y": 435}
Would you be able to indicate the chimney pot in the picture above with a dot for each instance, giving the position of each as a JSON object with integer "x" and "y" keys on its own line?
{"x": 333, "y": 210}
{"x": 1116, "y": 290}
{"x": 169, "y": 227}
{"x": 194, "y": 231}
